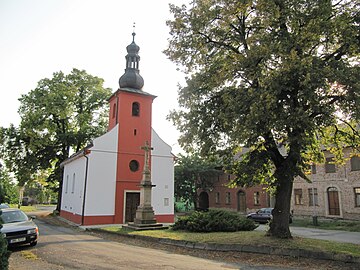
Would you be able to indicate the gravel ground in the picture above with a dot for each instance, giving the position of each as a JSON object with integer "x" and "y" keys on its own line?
{"x": 20, "y": 262}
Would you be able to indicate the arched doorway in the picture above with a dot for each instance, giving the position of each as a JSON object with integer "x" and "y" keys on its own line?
{"x": 333, "y": 201}
{"x": 241, "y": 201}
{"x": 203, "y": 201}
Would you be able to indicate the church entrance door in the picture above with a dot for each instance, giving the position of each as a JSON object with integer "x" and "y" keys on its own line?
{"x": 132, "y": 202}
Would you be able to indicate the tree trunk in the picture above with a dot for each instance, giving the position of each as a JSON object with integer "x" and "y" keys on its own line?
{"x": 279, "y": 226}
{"x": 61, "y": 176}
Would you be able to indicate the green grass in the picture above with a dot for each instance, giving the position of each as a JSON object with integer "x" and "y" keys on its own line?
{"x": 341, "y": 225}
{"x": 247, "y": 238}
{"x": 28, "y": 208}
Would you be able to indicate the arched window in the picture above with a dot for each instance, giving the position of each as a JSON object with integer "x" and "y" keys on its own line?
{"x": 67, "y": 184}
{"x": 114, "y": 111}
{"x": 73, "y": 184}
{"x": 135, "y": 109}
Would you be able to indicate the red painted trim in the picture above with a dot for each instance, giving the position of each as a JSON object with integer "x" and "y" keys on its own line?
{"x": 98, "y": 220}
{"x": 165, "y": 218}
{"x": 71, "y": 217}
{"x": 88, "y": 220}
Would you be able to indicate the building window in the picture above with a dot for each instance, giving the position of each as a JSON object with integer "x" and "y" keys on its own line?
{"x": 228, "y": 198}
{"x": 135, "y": 109}
{"x": 114, "y": 111}
{"x": 134, "y": 165}
{"x": 67, "y": 184}
{"x": 355, "y": 163}
{"x": 298, "y": 196}
{"x": 357, "y": 197}
{"x": 313, "y": 196}
{"x": 257, "y": 198}
{"x": 330, "y": 165}
{"x": 73, "y": 184}
{"x": 217, "y": 197}
{"x": 313, "y": 168}
{"x": 166, "y": 202}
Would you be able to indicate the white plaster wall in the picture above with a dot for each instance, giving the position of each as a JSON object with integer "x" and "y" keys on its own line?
{"x": 72, "y": 199}
{"x": 100, "y": 196}
{"x": 162, "y": 175}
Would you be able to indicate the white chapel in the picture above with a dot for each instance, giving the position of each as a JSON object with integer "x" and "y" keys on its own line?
{"x": 101, "y": 183}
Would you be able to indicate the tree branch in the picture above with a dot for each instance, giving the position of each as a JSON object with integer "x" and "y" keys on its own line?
{"x": 221, "y": 44}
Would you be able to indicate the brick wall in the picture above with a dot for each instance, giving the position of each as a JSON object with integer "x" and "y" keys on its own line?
{"x": 343, "y": 181}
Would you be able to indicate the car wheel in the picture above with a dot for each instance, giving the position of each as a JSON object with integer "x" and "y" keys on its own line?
{"x": 33, "y": 244}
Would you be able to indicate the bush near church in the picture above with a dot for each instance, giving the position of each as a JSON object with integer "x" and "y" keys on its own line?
{"x": 214, "y": 221}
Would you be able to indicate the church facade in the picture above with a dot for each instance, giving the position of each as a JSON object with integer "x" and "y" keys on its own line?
{"x": 101, "y": 183}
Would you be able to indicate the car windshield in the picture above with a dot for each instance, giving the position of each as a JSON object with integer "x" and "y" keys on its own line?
{"x": 13, "y": 216}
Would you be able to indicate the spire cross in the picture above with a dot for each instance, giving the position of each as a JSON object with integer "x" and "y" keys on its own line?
{"x": 133, "y": 33}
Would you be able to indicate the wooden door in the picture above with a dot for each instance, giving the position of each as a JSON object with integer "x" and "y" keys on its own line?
{"x": 333, "y": 198}
{"x": 132, "y": 202}
{"x": 241, "y": 201}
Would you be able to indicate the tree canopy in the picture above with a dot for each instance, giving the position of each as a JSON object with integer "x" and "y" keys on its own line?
{"x": 60, "y": 116}
{"x": 193, "y": 173}
{"x": 268, "y": 75}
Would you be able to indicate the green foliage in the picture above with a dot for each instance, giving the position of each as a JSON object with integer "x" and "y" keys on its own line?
{"x": 4, "y": 253}
{"x": 9, "y": 191}
{"x": 192, "y": 173}
{"x": 61, "y": 114}
{"x": 271, "y": 76}
{"x": 18, "y": 157}
{"x": 214, "y": 221}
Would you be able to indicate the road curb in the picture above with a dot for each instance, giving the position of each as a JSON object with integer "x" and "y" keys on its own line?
{"x": 267, "y": 250}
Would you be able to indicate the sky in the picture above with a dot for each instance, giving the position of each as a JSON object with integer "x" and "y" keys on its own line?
{"x": 40, "y": 37}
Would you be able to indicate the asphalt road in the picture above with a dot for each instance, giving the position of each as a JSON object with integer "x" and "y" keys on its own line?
{"x": 331, "y": 235}
{"x": 64, "y": 247}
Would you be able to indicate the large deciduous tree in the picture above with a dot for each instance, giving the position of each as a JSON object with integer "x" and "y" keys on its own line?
{"x": 61, "y": 115}
{"x": 269, "y": 75}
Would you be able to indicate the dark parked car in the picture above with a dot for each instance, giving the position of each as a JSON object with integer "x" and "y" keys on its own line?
{"x": 18, "y": 228}
{"x": 263, "y": 215}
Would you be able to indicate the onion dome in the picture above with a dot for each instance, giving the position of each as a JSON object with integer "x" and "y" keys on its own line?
{"x": 131, "y": 78}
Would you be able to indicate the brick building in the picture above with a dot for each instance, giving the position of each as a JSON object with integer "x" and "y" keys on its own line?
{"x": 334, "y": 191}
{"x": 239, "y": 199}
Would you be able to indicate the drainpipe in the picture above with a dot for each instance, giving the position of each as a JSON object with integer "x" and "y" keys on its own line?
{"x": 85, "y": 183}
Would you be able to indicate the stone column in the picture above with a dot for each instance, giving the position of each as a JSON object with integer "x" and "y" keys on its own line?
{"x": 145, "y": 213}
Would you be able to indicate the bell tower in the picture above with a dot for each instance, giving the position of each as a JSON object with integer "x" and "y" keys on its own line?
{"x": 131, "y": 109}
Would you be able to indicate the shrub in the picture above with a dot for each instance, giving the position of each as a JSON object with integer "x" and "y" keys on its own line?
{"x": 214, "y": 221}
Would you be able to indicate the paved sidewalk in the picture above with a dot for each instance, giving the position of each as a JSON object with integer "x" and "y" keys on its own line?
{"x": 332, "y": 235}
